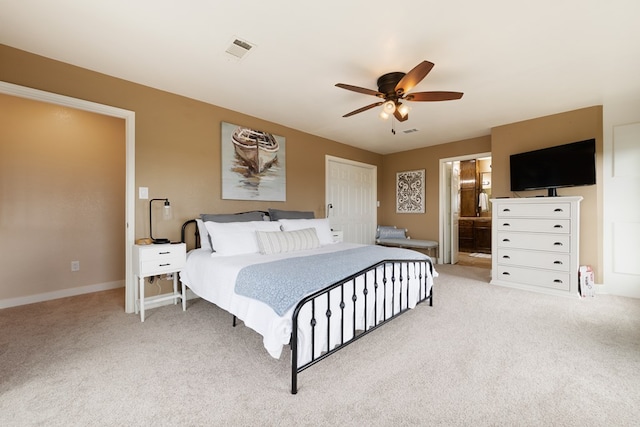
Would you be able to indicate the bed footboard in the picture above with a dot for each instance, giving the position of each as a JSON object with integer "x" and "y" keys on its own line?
{"x": 332, "y": 318}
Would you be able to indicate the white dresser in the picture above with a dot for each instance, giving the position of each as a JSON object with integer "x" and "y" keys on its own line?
{"x": 536, "y": 244}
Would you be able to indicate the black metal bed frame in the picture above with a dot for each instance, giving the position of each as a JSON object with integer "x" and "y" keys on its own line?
{"x": 390, "y": 277}
{"x": 400, "y": 279}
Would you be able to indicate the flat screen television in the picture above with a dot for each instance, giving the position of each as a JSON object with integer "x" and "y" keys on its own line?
{"x": 567, "y": 165}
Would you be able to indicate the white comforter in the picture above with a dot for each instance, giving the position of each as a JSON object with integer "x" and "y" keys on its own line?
{"x": 213, "y": 278}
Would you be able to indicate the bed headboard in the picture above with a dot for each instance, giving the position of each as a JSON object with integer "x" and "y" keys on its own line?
{"x": 196, "y": 235}
{"x": 235, "y": 217}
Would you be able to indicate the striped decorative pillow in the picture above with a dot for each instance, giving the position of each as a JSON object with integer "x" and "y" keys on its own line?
{"x": 276, "y": 242}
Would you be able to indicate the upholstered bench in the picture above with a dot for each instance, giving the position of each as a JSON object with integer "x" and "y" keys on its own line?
{"x": 392, "y": 236}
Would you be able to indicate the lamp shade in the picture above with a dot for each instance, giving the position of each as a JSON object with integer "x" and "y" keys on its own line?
{"x": 389, "y": 107}
{"x": 403, "y": 110}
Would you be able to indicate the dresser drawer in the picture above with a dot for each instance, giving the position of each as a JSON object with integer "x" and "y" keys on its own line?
{"x": 547, "y": 260}
{"x": 535, "y": 210}
{"x": 534, "y": 241}
{"x": 543, "y": 278}
{"x": 534, "y": 225}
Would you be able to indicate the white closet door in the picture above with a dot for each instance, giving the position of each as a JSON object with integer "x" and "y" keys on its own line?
{"x": 351, "y": 189}
{"x": 622, "y": 211}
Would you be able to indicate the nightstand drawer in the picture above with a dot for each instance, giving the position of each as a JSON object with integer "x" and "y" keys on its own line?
{"x": 160, "y": 266}
{"x": 160, "y": 251}
{"x": 337, "y": 235}
{"x": 152, "y": 260}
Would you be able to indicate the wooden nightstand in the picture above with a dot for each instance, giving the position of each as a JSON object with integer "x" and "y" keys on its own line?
{"x": 154, "y": 260}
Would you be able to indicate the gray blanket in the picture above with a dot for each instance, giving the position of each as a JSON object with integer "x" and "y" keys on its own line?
{"x": 281, "y": 284}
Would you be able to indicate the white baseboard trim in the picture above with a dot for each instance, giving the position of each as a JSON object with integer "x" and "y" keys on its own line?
{"x": 63, "y": 293}
{"x": 619, "y": 290}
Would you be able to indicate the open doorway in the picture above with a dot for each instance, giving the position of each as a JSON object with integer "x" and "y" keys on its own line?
{"x": 465, "y": 210}
{"x": 129, "y": 118}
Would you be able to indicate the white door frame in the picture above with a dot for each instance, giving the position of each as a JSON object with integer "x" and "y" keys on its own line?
{"x": 374, "y": 193}
{"x": 130, "y": 140}
{"x": 443, "y": 228}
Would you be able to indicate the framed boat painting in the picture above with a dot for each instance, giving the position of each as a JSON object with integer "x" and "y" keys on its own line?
{"x": 253, "y": 164}
{"x": 410, "y": 191}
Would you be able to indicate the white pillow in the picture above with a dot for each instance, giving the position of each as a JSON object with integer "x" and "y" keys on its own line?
{"x": 205, "y": 243}
{"x": 275, "y": 242}
{"x": 236, "y": 238}
{"x": 323, "y": 229}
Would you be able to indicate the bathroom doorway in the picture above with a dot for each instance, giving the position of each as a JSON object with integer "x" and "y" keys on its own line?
{"x": 465, "y": 214}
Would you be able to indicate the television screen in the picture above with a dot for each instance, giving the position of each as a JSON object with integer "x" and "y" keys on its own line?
{"x": 565, "y": 165}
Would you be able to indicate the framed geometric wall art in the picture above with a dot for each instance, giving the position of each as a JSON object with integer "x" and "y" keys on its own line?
{"x": 410, "y": 191}
{"x": 253, "y": 164}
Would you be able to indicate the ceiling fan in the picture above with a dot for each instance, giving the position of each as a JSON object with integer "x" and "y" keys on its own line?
{"x": 393, "y": 88}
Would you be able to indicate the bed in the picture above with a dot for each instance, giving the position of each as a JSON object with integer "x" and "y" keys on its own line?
{"x": 272, "y": 274}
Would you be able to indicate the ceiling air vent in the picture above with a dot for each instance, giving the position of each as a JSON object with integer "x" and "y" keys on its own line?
{"x": 239, "y": 48}
{"x": 410, "y": 130}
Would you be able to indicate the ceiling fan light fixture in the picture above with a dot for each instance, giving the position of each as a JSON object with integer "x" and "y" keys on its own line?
{"x": 389, "y": 107}
{"x": 395, "y": 87}
{"x": 403, "y": 110}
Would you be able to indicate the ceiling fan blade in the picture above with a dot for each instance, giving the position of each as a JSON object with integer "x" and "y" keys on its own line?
{"x": 433, "y": 96}
{"x": 414, "y": 77}
{"x": 360, "y": 110}
{"x": 360, "y": 90}
{"x": 399, "y": 116}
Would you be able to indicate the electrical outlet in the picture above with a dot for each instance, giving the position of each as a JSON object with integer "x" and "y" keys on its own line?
{"x": 75, "y": 265}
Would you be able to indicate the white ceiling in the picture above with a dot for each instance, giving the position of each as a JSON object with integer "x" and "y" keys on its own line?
{"x": 514, "y": 60}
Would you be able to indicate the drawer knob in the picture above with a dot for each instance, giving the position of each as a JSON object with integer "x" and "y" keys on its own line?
{"x": 506, "y": 240}
{"x": 557, "y": 244}
{"x": 506, "y": 210}
{"x": 506, "y": 257}
{"x": 164, "y": 265}
{"x": 506, "y": 224}
{"x": 506, "y": 273}
{"x": 558, "y": 210}
{"x": 557, "y": 281}
{"x": 558, "y": 226}
{"x": 557, "y": 262}
{"x": 164, "y": 253}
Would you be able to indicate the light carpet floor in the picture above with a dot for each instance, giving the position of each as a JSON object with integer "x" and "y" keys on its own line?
{"x": 481, "y": 356}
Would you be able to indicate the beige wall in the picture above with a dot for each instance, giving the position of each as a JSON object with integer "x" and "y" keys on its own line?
{"x": 177, "y": 147}
{"x": 545, "y": 132}
{"x": 422, "y": 226}
{"x": 62, "y": 188}
{"x": 178, "y": 153}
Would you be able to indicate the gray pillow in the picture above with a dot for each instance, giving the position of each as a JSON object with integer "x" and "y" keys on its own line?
{"x": 277, "y": 214}
{"x": 391, "y": 233}
{"x": 239, "y": 217}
